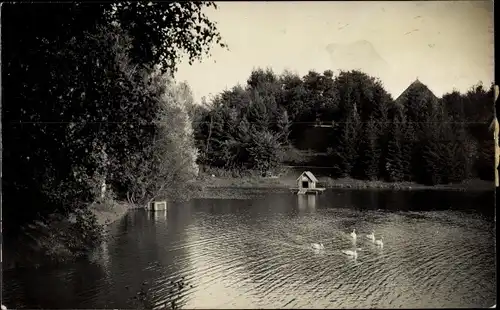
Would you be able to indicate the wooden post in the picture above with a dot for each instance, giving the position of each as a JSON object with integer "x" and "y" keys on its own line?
{"x": 209, "y": 133}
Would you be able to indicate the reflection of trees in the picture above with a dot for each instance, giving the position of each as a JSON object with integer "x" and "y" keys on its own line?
{"x": 245, "y": 243}
{"x": 337, "y": 198}
{"x": 52, "y": 288}
{"x": 242, "y": 243}
{"x": 416, "y": 200}
{"x": 145, "y": 251}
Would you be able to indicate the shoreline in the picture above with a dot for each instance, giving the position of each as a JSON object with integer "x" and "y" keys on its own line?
{"x": 248, "y": 187}
{"x": 340, "y": 183}
{"x": 210, "y": 187}
{"x": 105, "y": 214}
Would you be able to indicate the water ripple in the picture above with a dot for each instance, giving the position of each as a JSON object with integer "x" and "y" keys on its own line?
{"x": 234, "y": 255}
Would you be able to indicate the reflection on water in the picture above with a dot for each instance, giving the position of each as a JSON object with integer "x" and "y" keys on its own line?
{"x": 306, "y": 203}
{"x": 157, "y": 215}
{"x": 257, "y": 254}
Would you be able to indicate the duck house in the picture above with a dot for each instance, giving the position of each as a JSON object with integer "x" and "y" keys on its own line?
{"x": 158, "y": 206}
{"x": 306, "y": 184}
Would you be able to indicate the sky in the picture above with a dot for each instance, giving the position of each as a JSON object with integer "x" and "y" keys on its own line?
{"x": 447, "y": 45}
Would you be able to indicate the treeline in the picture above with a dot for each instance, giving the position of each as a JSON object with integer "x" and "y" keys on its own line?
{"x": 89, "y": 101}
{"x": 417, "y": 137}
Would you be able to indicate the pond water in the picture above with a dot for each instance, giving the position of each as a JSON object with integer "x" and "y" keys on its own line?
{"x": 257, "y": 253}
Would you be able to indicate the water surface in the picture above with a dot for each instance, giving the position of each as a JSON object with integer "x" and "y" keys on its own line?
{"x": 256, "y": 254}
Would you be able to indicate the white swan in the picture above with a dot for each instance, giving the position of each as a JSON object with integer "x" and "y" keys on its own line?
{"x": 317, "y": 246}
{"x": 4, "y": 308}
{"x": 353, "y": 234}
{"x": 351, "y": 253}
{"x": 379, "y": 242}
{"x": 371, "y": 236}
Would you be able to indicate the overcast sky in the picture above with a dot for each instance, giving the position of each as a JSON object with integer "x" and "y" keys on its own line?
{"x": 446, "y": 44}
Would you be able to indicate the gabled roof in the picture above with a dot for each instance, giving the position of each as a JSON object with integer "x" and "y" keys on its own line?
{"x": 415, "y": 85}
{"x": 309, "y": 175}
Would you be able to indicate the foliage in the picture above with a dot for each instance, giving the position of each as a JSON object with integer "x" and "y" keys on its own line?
{"x": 246, "y": 127}
{"x": 343, "y": 155}
{"x": 394, "y": 160}
{"x": 408, "y": 151}
{"x": 84, "y": 105}
{"x": 417, "y": 137}
{"x": 56, "y": 238}
{"x": 160, "y": 32}
{"x": 368, "y": 152}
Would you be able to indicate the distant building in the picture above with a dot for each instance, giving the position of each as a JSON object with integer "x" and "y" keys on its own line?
{"x": 416, "y": 85}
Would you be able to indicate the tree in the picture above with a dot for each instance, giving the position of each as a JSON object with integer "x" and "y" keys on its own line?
{"x": 162, "y": 169}
{"x": 368, "y": 92}
{"x": 440, "y": 153}
{"x": 264, "y": 150}
{"x": 368, "y": 152}
{"x": 242, "y": 122}
{"x": 408, "y": 154}
{"x": 394, "y": 167}
{"x": 283, "y": 126}
{"x": 418, "y": 103}
{"x": 77, "y": 90}
{"x": 293, "y": 94}
{"x": 343, "y": 153}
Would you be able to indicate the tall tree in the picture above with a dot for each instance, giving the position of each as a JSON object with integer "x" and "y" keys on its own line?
{"x": 343, "y": 152}
{"x": 408, "y": 151}
{"x": 367, "y": 164}
{"x": 394, "y": 161}
{"x": 77, "y": 89}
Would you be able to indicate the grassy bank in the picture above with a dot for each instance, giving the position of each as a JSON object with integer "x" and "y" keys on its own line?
{"x": 59, "y": 239}
{"x": 218, "y": 183}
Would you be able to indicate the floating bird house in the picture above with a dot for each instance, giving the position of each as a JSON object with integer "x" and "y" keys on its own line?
{"x": 306, "y": 184}
{"x": 306, "y": 180}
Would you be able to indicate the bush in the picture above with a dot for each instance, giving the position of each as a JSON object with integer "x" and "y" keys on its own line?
{"x": 57, "y": 239}
{"x": 162, "y": 169}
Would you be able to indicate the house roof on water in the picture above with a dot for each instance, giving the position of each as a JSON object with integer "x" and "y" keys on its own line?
{"x": 309, "y": 175}
{"x": 415, "y": 85}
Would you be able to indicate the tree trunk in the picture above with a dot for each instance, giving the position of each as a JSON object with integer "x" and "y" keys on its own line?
{"x": 209, "y": 134}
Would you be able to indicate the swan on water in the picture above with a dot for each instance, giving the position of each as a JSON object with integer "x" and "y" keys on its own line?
{"x": 371, "y": 236}
{"x": 379, "y": 242}
{"x": 317, "y": 246}
{"x": 353, "y": 234}
{"x": 351, "y": 253}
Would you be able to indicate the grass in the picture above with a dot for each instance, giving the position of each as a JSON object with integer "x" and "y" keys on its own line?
{"x": 214, "y": 178}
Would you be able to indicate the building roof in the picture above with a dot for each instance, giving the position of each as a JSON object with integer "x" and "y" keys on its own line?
{"x": 415, "y": 85}
{"x": 309, "y": 175}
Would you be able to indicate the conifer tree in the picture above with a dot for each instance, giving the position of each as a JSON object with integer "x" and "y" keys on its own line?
{"x": 408, "y": 151}
{"x": 394, "y": 169}
{"x": 368, "y": 152}
{"x": 343, "y": 154}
